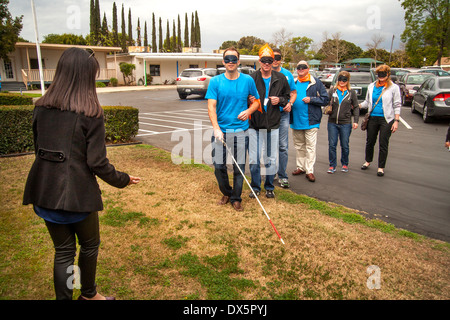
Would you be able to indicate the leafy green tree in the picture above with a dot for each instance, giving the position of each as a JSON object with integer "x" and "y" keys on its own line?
{"x": 160, "y": 36}
{"x": 426, "y": 33}
{"x": 9, "y": 30}
{"x": 228, "y": 44}
{"x": 179, "y": 35}
{"x": 145, "y": 35}
{"x": 127, "y": 72}
{"x": 186, "y": 30}
{"x": 154, "y": 48}
{"x": 115, "y": 27}
{"x": 130, "y": 40}
{"x": 167, "y": 41}
{"x": 66, "y": 38}
{"x": 123, "y": 37}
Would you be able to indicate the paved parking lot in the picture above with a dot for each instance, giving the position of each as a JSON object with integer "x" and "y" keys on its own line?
{"x": 413, "y": 195}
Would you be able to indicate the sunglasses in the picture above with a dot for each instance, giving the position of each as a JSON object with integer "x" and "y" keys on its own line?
{"x": 382, "y": 74}
{"x": 277, "y": 57}
{"x": 302, "y": 67}
{"x": 342, "y": 78}
{"x": 230, "y": 59}
{"x": 267, "y": 60}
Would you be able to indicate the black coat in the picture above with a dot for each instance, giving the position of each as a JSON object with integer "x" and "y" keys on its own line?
{"x": 342, "y": 112}
{"x": 279, "y": 87}
{"x": 70, "y": 152}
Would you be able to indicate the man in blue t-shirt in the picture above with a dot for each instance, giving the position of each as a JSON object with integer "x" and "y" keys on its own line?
{"x": 229, "y": 113}
{"x": 284, "y": 122}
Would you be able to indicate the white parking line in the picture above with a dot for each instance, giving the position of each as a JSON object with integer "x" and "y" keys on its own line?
{"x": 405, "y": 123}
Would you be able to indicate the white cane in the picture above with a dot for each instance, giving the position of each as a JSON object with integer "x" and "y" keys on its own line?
{"x": 264, "y": 210}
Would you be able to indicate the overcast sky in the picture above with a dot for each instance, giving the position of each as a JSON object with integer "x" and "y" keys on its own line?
{"x": 357, "y": 21}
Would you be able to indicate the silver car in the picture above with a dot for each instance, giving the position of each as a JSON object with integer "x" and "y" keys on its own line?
{"x": 194, "y": 81}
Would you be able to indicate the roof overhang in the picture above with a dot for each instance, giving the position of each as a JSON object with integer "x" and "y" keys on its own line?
{"x": 189, "y": 56}
{"x": 52, "y": 46}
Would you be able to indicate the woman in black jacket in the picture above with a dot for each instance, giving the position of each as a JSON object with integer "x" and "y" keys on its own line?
{"x": 344, "y": 104}
{"x": 69, "y": 140}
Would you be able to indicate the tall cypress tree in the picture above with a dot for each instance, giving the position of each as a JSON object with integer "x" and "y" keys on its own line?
{"x": 186, "y": 31}
{"x": 179, "y": 35}
{"x": 145, "y": 36}
{"x": 104, "y": 32}
{"x": 92, "y": 21}
{"x": 167, "y": 42}
{"x": 130, "y": 29}
{"x": 123, "y": 38}
{"x": 192, "y": 31}
{"x": 173, "y": 45}
{"x": 197, "y": 31}
{"x": 115, "y": 27}
{"x": 154, "y": 48}
{"x": 98, "y": 23}
{"x": 160, "y": 36}
{"x": 138, "y": 36}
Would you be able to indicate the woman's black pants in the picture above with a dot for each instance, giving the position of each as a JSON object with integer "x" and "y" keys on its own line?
{"x": 378, "y": 126}
{"x": 64, "y": 240}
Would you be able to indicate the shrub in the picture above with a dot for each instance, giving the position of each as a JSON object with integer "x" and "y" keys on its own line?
{"x": 12, "y": 99}
{"x": 114, "y": 82}
{"x": 16, "y": 132}
{"x": 99, "y": 84}
{"x": 121, "y": 123}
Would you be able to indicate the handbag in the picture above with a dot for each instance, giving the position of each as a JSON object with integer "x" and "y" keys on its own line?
{"x": 365, "y": 121}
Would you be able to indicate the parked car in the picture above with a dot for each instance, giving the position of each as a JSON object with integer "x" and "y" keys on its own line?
{"x": 407, "y": 83}
{"x": 436, "y": 72}
{"x": 246, "y": 70}
{"x": 359, "y": 80}
{"x": 432, "y": 98}
{"x": 327, "y": 76}
{"x": 194, "y": 81}
{"x": 397, "y": 73}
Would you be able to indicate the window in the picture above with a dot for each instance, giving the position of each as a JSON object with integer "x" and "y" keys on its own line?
{"x": 155, "y": 70}
{"x": 9, "y": 70}
{"x": 193, "y": 66}
{"x": 34, "y": 63}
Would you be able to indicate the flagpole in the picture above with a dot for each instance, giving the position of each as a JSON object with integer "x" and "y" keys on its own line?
{"x": 38, "y": 48}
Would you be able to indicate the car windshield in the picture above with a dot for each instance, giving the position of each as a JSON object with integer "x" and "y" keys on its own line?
{"x": 360, "y": 77}
{"x": 417, "y": 78}
{"x": 191, "y": 73}
{"x": 444, "y": 83}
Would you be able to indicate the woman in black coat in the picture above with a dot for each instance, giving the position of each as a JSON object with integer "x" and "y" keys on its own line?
{"x": 69, "y": 140}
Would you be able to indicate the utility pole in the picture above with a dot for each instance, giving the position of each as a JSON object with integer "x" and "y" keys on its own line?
{"x": 390, "y": 53}
{"x": 38, "y": 48}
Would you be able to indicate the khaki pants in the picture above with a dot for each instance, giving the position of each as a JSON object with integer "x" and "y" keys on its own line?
{"x": 305, "y": 143}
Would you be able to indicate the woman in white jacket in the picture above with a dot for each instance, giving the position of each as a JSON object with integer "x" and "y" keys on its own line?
{"x": 384, "y": 104}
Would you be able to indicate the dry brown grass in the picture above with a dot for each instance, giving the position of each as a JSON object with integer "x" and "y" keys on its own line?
{"x": 166, "y": 238}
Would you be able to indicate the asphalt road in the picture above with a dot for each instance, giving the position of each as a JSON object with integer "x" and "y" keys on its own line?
{"x": 414, "y": 194}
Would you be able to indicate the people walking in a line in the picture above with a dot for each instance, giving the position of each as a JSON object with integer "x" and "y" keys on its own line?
{"x": 306, "y": 115}
{"x": 383, "y": 101}
{"x": 273, "y": 90}
{"x": 69, "y": 140}
{"x": 229, "y": 114}
{"x": 345, "y": 106}
{"x": 284, "y": 121}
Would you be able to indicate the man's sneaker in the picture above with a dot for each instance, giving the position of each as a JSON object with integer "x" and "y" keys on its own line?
{"x": 344, "y": 169}
{"x": 331, "y": 170}
{"x": 284, "y": 183}
{"x": 270, "y": 194}
{"x": 252, "y": 194}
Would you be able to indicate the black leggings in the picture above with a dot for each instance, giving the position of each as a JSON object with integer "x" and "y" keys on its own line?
{"x": 378, "y": 125}
{"x": 64, "y": 240}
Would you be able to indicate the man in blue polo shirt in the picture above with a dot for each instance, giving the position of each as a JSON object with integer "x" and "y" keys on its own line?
{"x": 229, "y": 112}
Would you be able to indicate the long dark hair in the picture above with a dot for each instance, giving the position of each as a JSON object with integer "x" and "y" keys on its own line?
{"x": 73, "y": 87}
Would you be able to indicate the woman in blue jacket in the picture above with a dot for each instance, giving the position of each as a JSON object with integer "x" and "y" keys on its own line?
{"x": 306, "y": 115}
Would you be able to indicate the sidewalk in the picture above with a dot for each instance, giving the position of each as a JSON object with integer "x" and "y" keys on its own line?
{"x": 119, "y": 89}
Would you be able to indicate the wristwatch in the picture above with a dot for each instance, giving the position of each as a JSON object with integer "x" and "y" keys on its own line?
{"x": 397, "y": 120}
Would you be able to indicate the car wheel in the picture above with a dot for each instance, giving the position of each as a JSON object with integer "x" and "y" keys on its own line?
{"x": 425, "y": 116}
{"x": 182, "y": 96}
{"x": 413, "y": 110}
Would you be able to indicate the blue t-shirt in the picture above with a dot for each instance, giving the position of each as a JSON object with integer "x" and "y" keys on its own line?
{"x": 377, "y": 111}
{"x": 290, "y": 80}
{"x": 300, "y": 113}
{"x": 231, "y": 97}
{"x": 267, "y": 85}
{"x": 341, "y": 95}
{"x": 60, "y": 216}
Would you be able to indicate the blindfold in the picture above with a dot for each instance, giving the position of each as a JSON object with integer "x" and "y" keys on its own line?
{"x": 230, "y": 59}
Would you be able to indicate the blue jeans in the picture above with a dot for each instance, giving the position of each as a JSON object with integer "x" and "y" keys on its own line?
{"x": 341, "y": 132}
{"x": 284, "y": 145}
{"x": 237, "y": 143}
{"x": 265, "y": 143}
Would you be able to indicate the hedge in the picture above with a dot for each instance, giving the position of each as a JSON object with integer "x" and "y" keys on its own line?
{"x": 16, "y": 132}
{"x": 11, "y": 99}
